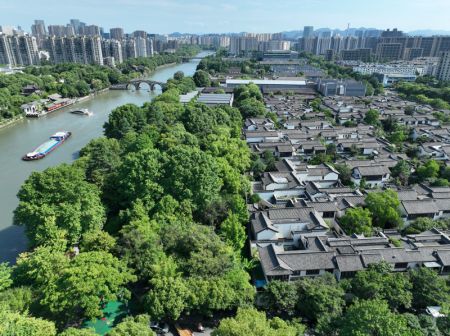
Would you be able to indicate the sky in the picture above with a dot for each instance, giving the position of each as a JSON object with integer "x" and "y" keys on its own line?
{"x": 218, "y": 16}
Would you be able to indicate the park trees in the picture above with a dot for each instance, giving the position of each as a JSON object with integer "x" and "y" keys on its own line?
{"x": 138, "y": 178}
{"x": 251, "y": 322}
{"x": 428, "y": 288}
{"x": 190, "y": 173}
{"x": 5, "y": 276}
{"x": 320, "y": 296}
{"x": 70, "y": 289}
{"x": 280, "y": 298}
{"x": 136, "y": 326}
{"x": 233, "y": 231}
{"x": 103, "y": 157}
{"x": 58, "y": 205}
{"x": 124, "y": 119}
{"x": 379, "y": 282}
{"x": 372, "y": 317}
{"x": 201, "y": 78}
{"x": 17, "y": 324}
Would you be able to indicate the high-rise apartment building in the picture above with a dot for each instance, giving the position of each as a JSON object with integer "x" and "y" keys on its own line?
{"x": 308, "y": 31}
{"x": 443, "y": 72}
{"x": 77, "y": 49}
{"x": 112, "y": 48}
{"x": 60, "y": 30}
{"x": 38, "y": 29}
{"x": 92, "y": 30}
{"x": 18, "y": 50}
{"x": 141, "y": 46}
{"x": 116, "y": 33}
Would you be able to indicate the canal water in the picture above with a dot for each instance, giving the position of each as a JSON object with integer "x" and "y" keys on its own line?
{"x": 24, "y": 136}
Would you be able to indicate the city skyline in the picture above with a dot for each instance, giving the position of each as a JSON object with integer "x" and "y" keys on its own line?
{"x": 201, "y": 16}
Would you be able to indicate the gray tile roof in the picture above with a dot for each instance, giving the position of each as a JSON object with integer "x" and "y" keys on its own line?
{"x": 420, "y": 207}
{"x": 349, "y": 263}
{"x": 444, "y": 257}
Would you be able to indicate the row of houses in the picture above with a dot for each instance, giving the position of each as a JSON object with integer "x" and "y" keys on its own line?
{"x": 294, "y": 228}
{"x": 344, "y": 256}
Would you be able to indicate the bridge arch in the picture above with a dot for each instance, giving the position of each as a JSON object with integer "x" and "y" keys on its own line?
{"x": 141, "y": 83}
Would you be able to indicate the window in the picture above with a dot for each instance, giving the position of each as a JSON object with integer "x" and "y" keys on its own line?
{"x": 400, "y": 265}
{"x": 312, "y": 272}
{"x": 345, "y": 275}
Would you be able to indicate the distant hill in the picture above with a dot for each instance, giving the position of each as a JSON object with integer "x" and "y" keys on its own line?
{"x": 428, "y": 32}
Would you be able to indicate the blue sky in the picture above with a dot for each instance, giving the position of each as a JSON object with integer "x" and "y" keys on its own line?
{"x": 202, "y": 16}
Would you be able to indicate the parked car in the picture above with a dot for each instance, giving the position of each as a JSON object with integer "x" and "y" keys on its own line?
{"x": 160, "y": 328}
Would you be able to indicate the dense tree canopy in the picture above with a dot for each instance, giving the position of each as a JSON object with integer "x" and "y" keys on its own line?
{"x": 69, "y": 289}
{"x": 57, "y": 205}
{"x": 379, "y": 282}
{"x": 18, "y": 324}
{"x": 253, "y": 323}
{"x": 373, "y": 317}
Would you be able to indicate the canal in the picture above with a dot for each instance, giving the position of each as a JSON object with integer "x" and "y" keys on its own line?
{"x": 24, "y": 136}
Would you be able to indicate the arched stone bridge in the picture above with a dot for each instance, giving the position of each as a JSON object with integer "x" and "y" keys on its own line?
{"x": 151, "y": 84}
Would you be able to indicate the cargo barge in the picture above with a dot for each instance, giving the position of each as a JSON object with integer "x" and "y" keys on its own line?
{"x": 47, "y": 147}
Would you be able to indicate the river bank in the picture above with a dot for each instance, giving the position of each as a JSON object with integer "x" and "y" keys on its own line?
{"x": 24, "y": 136}
{"x": 12, "y": 121}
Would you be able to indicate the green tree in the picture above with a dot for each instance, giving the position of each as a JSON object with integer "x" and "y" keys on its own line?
{"x": 219, "y": 293}
{"x": 422, "y": 224}
{"x": 17, "y": 324}
{"x": 179, "y": 75}
{"x": 357, "y": 220}
{"x": 167, "y": 298}
{"x": 140, "y": 245}
{"x": 251, "y": 322}
{"x": 373, "y": 317}
{"x": 103, "y": 157}
{"x": 280, "y": 298}
{"x": 201, "y": 78}
{"x": 402, "y": 171}
{"x": 138, "y": 178}
{"x": 70, "y": 289}
{"x": 97, "y": 241}
{"x": 384, "y": 207}
{"x": 16, "y": 299}
{"x": 252, "y": 107}
{"x": 428, "y": 170}
{"x": 124, "y": 119}
{"x": 345, "y": 174}
{"x": 320, "y": 296}
{"x": 58, "y": 204}
{"x": 78, "y": 332}
{"x": 191, "y": 174}
{"x": 5, "y": 276}
{"x": 372, "y": 117}
{"x": 429, "y": 289}
{"x": 233, "y": 231}
{"x": 379, "y": 282}
{"x": 133, "y": 326}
